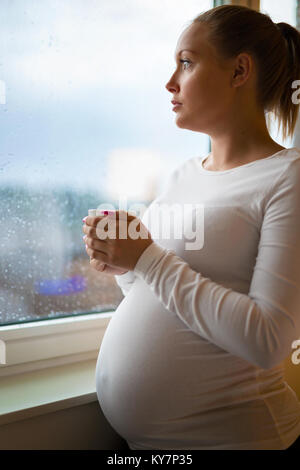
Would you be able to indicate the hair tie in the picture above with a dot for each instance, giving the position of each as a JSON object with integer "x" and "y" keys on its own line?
{"x": 282, "y": 29}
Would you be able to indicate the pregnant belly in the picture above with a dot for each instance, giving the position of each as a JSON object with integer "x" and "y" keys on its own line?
{"x": 152, "y": 370}
{"x": 136, "y": 364}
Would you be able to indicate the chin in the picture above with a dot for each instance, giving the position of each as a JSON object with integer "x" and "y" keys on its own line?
{"x": 189, "y": 127}
{"x": 196, "y": 127}
{"x": 181, "y": 123}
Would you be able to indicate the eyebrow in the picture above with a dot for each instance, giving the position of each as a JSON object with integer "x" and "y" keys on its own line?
{"x": 182, "y": 50}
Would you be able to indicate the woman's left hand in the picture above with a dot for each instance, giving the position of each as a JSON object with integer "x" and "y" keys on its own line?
{"x": 108, "y": 247}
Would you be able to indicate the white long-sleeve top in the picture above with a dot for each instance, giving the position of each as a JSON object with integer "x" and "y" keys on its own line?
{"x": 193, "y": 356}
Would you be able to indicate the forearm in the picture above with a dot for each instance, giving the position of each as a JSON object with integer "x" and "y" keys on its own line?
{"x": 234, "y": 321}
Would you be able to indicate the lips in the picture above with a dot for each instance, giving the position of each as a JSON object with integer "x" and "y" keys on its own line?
{"x": 175, "y": 102}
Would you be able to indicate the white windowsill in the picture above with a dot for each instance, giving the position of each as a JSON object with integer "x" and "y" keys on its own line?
{"x": 38, "y": 392}
{"x": 48, "y": 343}
{"x": 49, "y": 365}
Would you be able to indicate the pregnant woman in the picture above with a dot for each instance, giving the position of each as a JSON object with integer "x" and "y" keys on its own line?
{"x": 193, "y": 355}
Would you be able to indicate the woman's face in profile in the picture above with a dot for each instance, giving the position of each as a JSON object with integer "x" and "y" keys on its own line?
{"x": 200, "y": 82}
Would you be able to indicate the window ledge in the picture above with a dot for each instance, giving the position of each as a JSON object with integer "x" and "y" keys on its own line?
{"x": 48, "y": 343}
{"x": 38, "y": 392}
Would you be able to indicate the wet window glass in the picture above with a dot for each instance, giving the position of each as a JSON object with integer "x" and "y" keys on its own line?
{"x": 85, "y": 119}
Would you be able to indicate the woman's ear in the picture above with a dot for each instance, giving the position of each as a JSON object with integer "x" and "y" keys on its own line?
{"x": 242, "y": 69}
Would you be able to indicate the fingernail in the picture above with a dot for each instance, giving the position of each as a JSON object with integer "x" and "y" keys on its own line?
{"x": 107, "y": 212}
{"x": 83, "y": 220}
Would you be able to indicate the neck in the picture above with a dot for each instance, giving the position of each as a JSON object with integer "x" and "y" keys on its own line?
{"x": 246, "y": 143}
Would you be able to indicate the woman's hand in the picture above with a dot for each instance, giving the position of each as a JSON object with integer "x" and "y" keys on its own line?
{"x": 108, "y": 247}
{"x": 105, "y": 268}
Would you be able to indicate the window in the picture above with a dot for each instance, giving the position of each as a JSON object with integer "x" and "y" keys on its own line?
{"x": 85, "y": 120}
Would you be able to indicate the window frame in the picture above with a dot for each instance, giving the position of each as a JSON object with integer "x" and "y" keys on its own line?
{"x": 48, "y": 343}
{"x": 254, "y": 4}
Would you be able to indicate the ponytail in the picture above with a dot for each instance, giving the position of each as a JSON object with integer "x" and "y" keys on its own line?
{"x": 286, "y": 110}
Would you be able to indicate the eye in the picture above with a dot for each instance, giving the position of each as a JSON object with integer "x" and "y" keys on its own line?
{"x": 182, "y": 61}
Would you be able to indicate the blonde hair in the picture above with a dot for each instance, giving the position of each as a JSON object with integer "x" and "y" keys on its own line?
{"x": 275, "y": 49}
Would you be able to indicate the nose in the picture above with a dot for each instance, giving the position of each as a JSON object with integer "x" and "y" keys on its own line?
{"x": 172, "y": 86}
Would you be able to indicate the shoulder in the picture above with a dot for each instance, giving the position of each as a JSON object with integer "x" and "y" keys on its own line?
{"x": 291, "y": 166}
{"x": 282, "y": 168}
{"x": 285, "y": 188}
{"x": 291, "y": 154}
